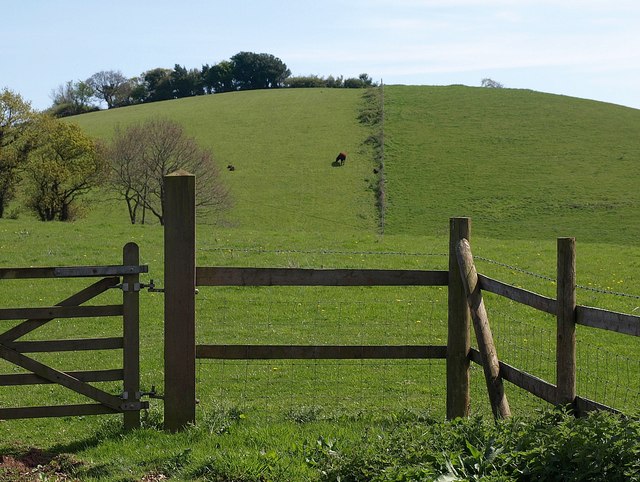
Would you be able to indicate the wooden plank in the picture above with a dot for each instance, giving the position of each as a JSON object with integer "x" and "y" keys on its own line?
{"x": 566, "y": 322}
{"x": 55, "y": 411}
{"x": 484, "y": 337}
{"x": 94, "y": 271}
{"x": 222, "y": 276}
{"x": 584, "y": 405}
{"x": 179, "y": 301}
{"x": 321, "y": 352}
{"x": 60, "y": 378}
{"x": 27, "y": 273}
{"x": 131, "y": 336}
{"x": 70, "y": 271}
{"x": 86, "y": 344}
{"x": 529, "y": 298}
{"x": 608, "y": 320}
{"x": 532, "y": 384}
{"x": 458, "y": 328}
{"x": 78, "y": 298}
{"x": 51, "y": 312}
{"x": 83, "y": 376}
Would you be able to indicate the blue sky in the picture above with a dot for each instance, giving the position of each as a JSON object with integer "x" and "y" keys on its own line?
{"x": 581, "y": 48}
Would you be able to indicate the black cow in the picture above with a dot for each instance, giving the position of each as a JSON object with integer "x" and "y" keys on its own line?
{"x": 341, "y": 158}
{"x": 231, "y": 167}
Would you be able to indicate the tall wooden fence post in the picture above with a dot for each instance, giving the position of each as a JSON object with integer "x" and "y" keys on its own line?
{"x": 566, "y": 323}
{"x": 131, "y": 334}
{"x": 458, "y": 338}
{"x": 179, "y": 301}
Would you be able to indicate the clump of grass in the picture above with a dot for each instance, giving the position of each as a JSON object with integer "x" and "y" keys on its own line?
{"x": 553, "y": 446}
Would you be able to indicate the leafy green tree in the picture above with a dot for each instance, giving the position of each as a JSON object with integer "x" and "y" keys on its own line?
{"x": 258, "y": 71}
{"x": 361, "y": 82}
{"x": 186, "y": 83}
{"x": 219, "y": 78}
{"x": 158, "y": 84}
{"x": 16, "y": 119}
{"x": 72, "y": 98}
{"x": 64, "y": 165}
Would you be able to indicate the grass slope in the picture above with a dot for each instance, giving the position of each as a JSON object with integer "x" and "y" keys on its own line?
{"x": 282, "y": 143}
{"x": 522, "y": 164}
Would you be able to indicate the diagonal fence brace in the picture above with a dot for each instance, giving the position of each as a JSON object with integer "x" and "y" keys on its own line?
{"x": 66, "y": 380}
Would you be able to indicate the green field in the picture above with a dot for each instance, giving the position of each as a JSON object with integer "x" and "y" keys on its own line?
{"x": 527, "y": 167}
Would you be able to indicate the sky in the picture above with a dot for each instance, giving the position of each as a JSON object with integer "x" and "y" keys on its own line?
{"x": 580, "y": 48}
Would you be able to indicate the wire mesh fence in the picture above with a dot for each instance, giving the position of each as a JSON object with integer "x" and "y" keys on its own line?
{"x": 330, "y": 387}
{"x": 608, "y": 363}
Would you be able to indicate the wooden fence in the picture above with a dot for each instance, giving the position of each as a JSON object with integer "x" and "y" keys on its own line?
{"x": 125, "y": 276}
{"x": 465, "y": 307}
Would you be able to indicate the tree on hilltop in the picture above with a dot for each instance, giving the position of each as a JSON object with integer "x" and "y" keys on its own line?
{"x": 258, "y": 71}
{"x": 491, "y": 84}
{"x": 72, "y": 98}
{"x": 110, "y": 86}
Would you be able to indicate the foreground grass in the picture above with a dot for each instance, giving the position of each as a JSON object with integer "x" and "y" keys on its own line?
{"x": 228, "y": 445}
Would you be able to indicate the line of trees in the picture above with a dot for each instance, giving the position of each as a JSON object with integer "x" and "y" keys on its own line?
{"x": 52, "y": 164}
{"x": 243, "y": 71}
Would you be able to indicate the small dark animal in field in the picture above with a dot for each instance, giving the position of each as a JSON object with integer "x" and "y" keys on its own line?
{"x": 375, "y": 171}
{"x": 231, "y": 167}
{"x": 341, "y": 158}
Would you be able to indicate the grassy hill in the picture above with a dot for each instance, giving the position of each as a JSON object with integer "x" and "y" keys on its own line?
{"x": 282, "y": 143}
{"x": 522, "y": 164}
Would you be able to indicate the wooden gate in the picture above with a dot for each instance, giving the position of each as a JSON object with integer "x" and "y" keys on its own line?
{"x": 126, "y": 277}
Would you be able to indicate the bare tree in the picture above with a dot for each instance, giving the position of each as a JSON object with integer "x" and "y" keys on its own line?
{"x": 110, "y": 86}
{"x": 142, "y": 154}
{"x": 490, "y": 83}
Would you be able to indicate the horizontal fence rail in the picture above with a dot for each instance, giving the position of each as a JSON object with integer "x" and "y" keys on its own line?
{"x": 52, "y": 312}
{"x": 321, "y": 352}
{"x": 585, "y": 315}
{"x": 221, "y": 276}
{"x": 71, "y": 272}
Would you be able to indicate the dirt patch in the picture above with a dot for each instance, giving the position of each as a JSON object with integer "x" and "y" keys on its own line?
{"x": 35, "y": 463}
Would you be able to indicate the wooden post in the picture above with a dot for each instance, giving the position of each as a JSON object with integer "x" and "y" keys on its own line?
{"x": 131, "y": 334}
{"x": 179, "y": 301}
{"x": 458, "y": 338}
{"x": 566, "y": 323}
{"x": 484, "y": 337}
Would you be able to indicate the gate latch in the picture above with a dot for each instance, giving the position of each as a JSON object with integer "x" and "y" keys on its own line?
{"x": 135, "y": 287}
{"x": 151, "y": 394}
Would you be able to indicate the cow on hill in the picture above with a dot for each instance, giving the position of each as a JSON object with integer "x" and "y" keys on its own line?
{"x": 341, "y": 158}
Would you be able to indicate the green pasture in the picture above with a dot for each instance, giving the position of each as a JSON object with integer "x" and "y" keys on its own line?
{"x": 527, "y": 167}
